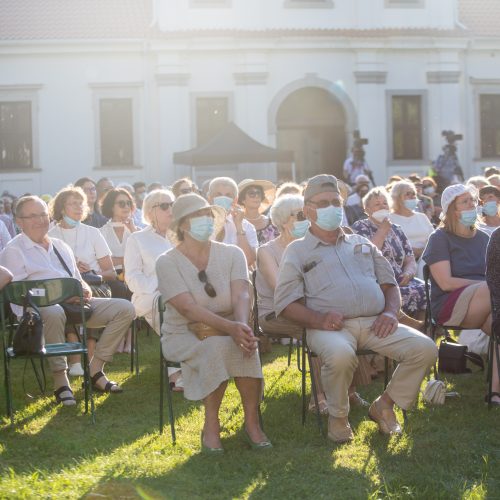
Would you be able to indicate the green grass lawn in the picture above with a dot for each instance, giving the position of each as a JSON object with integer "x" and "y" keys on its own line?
{"x": 451, "y": 451}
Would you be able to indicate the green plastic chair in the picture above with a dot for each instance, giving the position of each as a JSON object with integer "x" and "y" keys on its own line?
{"x": 49, "y": 292}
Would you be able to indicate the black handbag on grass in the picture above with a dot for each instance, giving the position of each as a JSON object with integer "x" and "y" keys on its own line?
{"x": 28, "y": 337}
{"x": 453, "y": 357}
{"x": 73, "y": 311}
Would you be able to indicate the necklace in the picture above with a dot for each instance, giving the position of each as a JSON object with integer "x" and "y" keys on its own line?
{"x": 253, "y": 219}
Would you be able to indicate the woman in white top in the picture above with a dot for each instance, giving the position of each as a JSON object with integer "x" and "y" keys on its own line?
{"x": 141, "y": 251}
{"x": 415, "y": 225}
{"x": 68, "y": 209}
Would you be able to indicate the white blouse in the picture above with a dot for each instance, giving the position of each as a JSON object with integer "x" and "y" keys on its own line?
{"x": 87, "y": 243}
{"x": 116, "y": 246}
{"x": 417, "y": 228}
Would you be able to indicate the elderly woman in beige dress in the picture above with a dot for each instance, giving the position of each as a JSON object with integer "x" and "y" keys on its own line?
{"x": 207, "y": 297}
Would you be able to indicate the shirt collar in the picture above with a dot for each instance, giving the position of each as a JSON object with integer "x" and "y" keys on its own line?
{"x": 29, "y": 243}
{"x": 313, "y": 241}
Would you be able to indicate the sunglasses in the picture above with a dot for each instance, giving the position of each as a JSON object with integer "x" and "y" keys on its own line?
{"x": 300, "y": 216}
{"x": 164, "y": 206}
{"x": 124, "y": 203}
{"x": 253, "y": 193}
{"x": 209, "y": 289}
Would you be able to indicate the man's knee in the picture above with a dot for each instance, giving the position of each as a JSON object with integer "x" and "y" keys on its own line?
{"x": 340, "y": 358}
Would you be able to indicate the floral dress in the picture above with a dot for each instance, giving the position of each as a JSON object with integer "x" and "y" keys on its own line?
{"x": 268, "y": 233}
{"x": 395, "y": 249}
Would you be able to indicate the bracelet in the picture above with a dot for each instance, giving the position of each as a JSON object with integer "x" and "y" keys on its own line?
{"x": 390, "y": 315}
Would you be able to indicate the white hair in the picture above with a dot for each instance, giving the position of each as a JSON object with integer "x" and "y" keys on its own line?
{"x": 283, "y": 207}
{"x": 152, "y": 198}
{"x": 218, "y": 181}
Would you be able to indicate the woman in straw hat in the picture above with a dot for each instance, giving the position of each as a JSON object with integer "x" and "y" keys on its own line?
{"x": 456, "y": 256}
{"x": 205, "y": 287}
{"x": 255, "y": 196}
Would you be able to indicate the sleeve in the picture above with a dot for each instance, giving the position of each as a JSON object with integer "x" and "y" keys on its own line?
{"x": 136, "y": 280}
{"x": 437, "y": 249}
{"x": 408, "y": 250}
{"x": 4, "y": 235}
{"x": 13, "y": 259}
{"x": 101, "y": 248}
{"x": 290, "y": 281}
{"x": 360, "y": 227}
{"x": 251, "y": 234}
{"x": 170, "y": 280}
{"x": 239, "y": 268}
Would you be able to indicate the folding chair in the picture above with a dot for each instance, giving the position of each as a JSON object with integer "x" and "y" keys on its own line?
{"x": 49, "y": 292}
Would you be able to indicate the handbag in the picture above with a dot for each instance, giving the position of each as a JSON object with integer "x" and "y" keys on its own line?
{"x": 98, "y": 286}
{"x": 203, "y": 331}
{"x": 92, "y": 278}
{"x": 28, "y": 337}
{"x": 434, "y": 392}
{"x": 453, "y": 357}
{"x": 73, "y": 312}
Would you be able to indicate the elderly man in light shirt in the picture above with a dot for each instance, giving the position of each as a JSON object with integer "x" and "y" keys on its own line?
{"x": 223, "y": 191}
{"x": 343, "y": 291}
{"x": 31, "y": 255}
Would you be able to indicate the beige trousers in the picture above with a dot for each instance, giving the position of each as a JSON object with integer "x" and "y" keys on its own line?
{"x": 114, "y": 315}
{"x": 414, "y": 352}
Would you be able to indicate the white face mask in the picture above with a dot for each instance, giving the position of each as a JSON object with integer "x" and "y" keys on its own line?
{"x": 380, "y": 215}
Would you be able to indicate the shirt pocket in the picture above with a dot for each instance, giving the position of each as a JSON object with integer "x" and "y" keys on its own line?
{"x": 363, "y": 259}
{"x": 317, "y": 278}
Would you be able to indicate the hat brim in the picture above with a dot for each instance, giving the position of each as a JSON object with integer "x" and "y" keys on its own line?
{"x": 267, "y": 186}
{"x": 219, "y": 221}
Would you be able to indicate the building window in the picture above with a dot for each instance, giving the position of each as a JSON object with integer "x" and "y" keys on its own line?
{"x": 412, "y": 4}
{"x": 16, "y": 139}
{"x": 490, "y": 125}
{"x": 407, "y": 127}
{"x": 212, "y": 115}
{"x": 116, "y": 132}
{"x": 308, "y": 4}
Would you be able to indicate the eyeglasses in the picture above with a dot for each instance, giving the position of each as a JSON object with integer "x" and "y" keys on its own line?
{"x": 253, "y": 193}
{"x": 89, "y": 189}
{"x": 299, "y": 216}
{"x": 163, "y": 206}
{"x": 123, "y": 203}
{"x": 325, "y": 203}
{"x": 209, "y": 289}
{"x": 186, "y": 190}
{"x": 34, "y": 217}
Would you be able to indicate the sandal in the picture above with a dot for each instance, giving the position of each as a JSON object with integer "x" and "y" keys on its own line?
{"x": 355, "y": 399}
{"x": 109, "y": 387}
{"x": 492, "y": 395}
{"x": 177, "y": 385}
{"x": 67, "y": 400}
{"x": 323, "y": 407}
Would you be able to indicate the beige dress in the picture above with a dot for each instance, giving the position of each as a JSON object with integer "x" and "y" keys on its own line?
{"x": 205, "y": 363}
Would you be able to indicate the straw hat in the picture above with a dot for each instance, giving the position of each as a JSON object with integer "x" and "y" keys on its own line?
{"x": 267, "y": 186}
{"x": 188, "y": 204}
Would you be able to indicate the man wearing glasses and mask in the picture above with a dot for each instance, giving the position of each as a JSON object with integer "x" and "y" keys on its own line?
{"x": 343, "y": 291}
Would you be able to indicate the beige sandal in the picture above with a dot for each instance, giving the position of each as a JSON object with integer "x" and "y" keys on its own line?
{"x": 323, "y": 407}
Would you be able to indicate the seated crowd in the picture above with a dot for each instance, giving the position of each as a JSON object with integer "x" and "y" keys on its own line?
{"x": 344, "y": 264}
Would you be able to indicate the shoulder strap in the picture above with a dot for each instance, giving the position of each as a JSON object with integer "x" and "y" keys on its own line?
{"x": 61, "y": 260}
{"x": 475, "y": 359}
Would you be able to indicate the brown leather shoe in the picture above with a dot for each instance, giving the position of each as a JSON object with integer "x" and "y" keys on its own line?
{"x": 386, "y": 419}
{"x": 339, "y": 430}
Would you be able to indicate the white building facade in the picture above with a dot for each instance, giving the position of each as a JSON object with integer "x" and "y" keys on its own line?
{"x": 114, "y": 88}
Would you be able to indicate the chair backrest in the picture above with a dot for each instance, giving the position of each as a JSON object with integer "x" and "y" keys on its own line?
{"x": 255, "y": 308}
{"x": 161, "y": 310}
{"x": 45, "y": 292}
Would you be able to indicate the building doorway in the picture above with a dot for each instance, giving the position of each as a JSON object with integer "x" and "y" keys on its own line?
{"x": 311, "y": 122}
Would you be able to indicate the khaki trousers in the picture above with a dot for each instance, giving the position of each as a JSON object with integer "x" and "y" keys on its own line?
{"x": 114, "y": 315}
{"x": 414, "y": 352}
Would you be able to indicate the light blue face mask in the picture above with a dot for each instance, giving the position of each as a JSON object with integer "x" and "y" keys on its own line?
{"x": 202, "y": 227}
{"x": 329, "y": 218}
{"x": 300, "y": 228}
{"x": 490, "y": 208}
{"x": 71, "y": 222}
{"x": 223, "y": 201}
{"x": 411, "y": 204}
{"x": 468, "y": 217}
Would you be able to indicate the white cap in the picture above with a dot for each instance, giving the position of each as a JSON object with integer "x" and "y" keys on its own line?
{"x": 361, "y": 178}
{"x": 452, "y": 192}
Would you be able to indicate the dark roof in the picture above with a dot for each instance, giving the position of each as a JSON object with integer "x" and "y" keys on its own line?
{"x": 132, "y": 19}
{"x": 231, "y": 146}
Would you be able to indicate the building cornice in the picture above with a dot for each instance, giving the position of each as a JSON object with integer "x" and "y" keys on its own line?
{"x": 443, "y": 76}
{"x": 370, "y": 76}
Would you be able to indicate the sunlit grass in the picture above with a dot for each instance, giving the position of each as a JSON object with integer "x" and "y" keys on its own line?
{"x": 51, "y": 452}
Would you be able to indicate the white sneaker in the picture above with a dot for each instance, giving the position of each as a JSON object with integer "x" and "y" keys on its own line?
{"x": 75, "y": 370}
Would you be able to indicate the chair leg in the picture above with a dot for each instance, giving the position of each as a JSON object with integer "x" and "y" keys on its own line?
{"x": 290, "y": 349}
{"x": 314, "y": 392}
{"x": 132, "y": 346}
{"x": 171, "y": 415}
{"x": 162, "y": 389}
{"x": 491, "y": 354}
{"x": 303, "y": 372}
{"x": 136, "y": 347}
{"x": 8, "y": 391}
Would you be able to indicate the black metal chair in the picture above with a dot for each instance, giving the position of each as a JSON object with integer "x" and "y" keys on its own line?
{"x": 49, "y": 292}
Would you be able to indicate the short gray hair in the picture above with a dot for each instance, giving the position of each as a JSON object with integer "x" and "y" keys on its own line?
{"x": 18, "y": 208}
{"x": 152, "y": 198}
{"x": 375, "y": 192}
{"x": 401, "y": 187}
{"x": 226, "y": 181}
{"x": 283, "y": 207}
